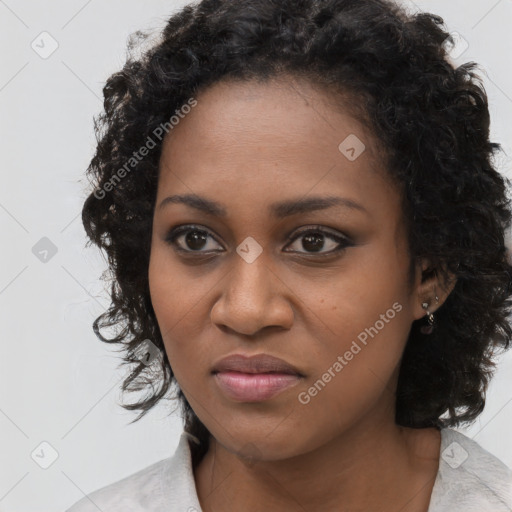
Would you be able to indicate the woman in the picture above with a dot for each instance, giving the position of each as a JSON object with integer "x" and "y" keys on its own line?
{"x": 306, "y": 236}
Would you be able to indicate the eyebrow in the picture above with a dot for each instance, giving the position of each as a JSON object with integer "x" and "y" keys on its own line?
{"x": 279, "y": 210}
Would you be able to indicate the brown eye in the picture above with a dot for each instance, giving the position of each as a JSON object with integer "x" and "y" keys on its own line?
{"x": 191, "y": 239}
{"x": 315, "y": 240}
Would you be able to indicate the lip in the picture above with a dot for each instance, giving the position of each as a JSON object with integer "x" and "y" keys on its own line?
{"x": 254, "y": 378}
{"x": 254, "y": 387}
{"x": 259, "y": 363}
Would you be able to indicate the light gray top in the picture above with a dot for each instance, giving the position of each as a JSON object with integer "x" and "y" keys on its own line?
{"x": 469, "y": 479}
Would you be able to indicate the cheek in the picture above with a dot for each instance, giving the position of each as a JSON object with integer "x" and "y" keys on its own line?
{"x": 360, "y": 326}
{"x": 370, "y": 288}
{"x": 178, "y": 302}
{"x": 175, "y": 293}
{"x": 352, "y": 370}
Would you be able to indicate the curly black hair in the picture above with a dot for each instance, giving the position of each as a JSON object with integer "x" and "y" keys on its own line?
{"x": 431, "y": 118}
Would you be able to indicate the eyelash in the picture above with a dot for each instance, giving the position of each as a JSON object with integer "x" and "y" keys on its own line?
{"x": 342, "y": 240}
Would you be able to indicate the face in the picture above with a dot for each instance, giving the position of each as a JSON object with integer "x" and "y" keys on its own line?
{"x": 324, "y": 287}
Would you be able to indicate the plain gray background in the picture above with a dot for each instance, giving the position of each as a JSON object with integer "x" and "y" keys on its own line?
{"x": 59, "y": 384}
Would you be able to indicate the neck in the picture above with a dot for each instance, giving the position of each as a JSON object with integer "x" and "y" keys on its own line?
{"x": 374, "y": 467}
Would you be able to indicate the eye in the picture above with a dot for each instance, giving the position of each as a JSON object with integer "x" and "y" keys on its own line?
{"x": 193, "y": 239}
{"x": 313, "y": 241}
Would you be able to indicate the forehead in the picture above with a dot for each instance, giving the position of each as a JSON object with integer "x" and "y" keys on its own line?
{"x": 282, "y": 137}
{"x": 280, "y": 111}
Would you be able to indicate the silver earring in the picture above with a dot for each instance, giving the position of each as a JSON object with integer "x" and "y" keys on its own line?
{"x": 427, "y": 329}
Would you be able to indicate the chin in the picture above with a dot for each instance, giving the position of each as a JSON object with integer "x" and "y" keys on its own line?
{"x": 261, "y": 442}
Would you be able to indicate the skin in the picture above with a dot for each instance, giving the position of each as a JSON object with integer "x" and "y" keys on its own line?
{"x": 247, "y": 145}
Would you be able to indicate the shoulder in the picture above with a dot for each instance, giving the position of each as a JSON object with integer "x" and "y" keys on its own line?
{"x": 135, "y": 492}
{"x": 469, "y": 477}
{"x": 165, "y": 485}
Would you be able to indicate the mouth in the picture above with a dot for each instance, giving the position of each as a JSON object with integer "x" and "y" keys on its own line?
{"x": 254, "y": 387}
{"x": 256, "y": 378}
{"x": 260, "y": 363}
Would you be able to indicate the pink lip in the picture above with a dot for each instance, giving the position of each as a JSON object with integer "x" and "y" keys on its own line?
{"x": 258, "y": 363}
{"x": 254, "y": 387}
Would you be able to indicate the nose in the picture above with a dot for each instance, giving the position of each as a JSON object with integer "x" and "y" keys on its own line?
{"x": 252, "y": 298}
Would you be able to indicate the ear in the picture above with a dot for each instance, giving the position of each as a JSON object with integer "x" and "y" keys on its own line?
{"x": 429, "y": 283}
